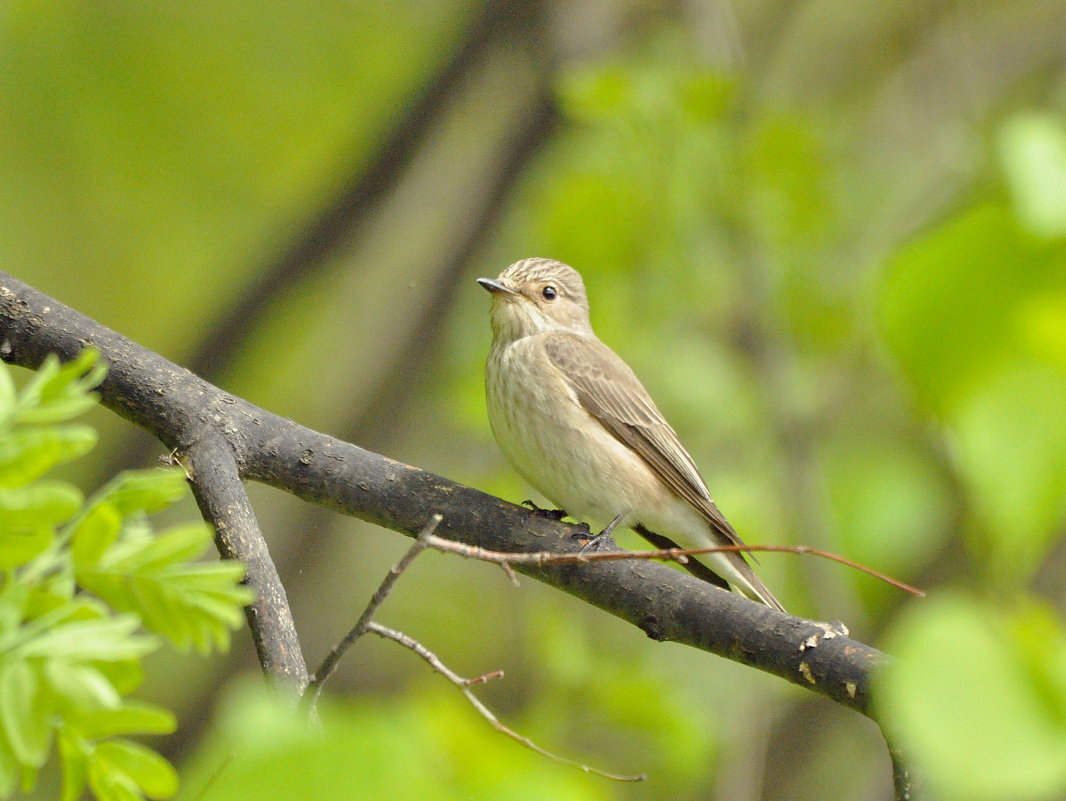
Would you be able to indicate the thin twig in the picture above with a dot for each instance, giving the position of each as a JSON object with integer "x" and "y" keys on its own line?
{"x": 908, "y": 787}
{"x": 464, "y": 687}
{"x": 329, "y": 664}
{"x": 672, "y": 554}
{"x": 366, "y": 623}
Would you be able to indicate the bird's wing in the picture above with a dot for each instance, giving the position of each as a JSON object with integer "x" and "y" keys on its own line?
{"x": 609, "y": 391}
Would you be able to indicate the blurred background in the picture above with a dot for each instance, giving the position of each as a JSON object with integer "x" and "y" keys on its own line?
{"x": 829, "y": 236}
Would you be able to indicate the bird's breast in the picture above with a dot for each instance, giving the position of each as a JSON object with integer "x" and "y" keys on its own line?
{"x": 554, "y": 443}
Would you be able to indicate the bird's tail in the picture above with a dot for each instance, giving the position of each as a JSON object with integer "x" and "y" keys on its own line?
{"x": 742, "y": 578}
{"x": 732, "y": 565}
{"x": 724, "y": 569}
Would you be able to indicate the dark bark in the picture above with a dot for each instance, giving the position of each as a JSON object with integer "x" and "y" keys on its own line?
{"x": 219, "y": 491}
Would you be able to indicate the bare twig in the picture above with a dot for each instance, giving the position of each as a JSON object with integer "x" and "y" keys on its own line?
{"x": 908, "y": 787}
{"x": 366, "y": 624}
{"x": 329, "y": 664}
{"x": 679, "y": 555}
{"x": 464, "y": 686}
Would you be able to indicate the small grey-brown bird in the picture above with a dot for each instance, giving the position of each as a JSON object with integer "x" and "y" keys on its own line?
{"x": 575, "y": 422}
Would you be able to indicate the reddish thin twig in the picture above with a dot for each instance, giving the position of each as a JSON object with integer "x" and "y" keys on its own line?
{"x": 366, "y": 624}
{"x": 673, "y": 554}
{"x": 464, "y": 687}
{"x": 329, "y": 664}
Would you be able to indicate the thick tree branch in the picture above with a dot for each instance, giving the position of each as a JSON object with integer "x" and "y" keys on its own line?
{"x": 219, "y": 491}
{"x": 182, "y": 410}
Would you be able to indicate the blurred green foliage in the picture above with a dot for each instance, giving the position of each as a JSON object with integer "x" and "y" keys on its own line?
{"x": 979, "y": 696}
{"x": 828, "y": 237}
{"x": 974, "y": 311}
{"x": 427, "y": 745}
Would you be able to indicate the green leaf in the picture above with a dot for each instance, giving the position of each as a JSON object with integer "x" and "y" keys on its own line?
{"x": 48, "y": 502}
{"x": 77, "y": 377}
{"x": 958, "y": 303}
{"x": 178, "y": 544}
{"x": 58, "y": 410}
{"x": 25, "y": 710}
{"x": 1033, "y": 151}
{"x": 126, "y": 675}
{"x": 888, "y": 504}
{"x": 1041, "y": 639}
{"x": 30, "y": 395}
{"x": 9, "y": 769}
{"x": 108, "y": 783}
{"x": 145, "y": 491}
{"x": 970, "y": 702}
{"x": 55, "y": 393}
{"x": 53, "y": 602}
{"x": 66, "y": 659}
{"x": 110, "y": 639}
{"x": 269, "y": 753}
{"x": 1009, "y": 438}
{"x": 94, "y": 533}
{"x": 26, "y": 454}
{"x": 20, "y": 546}
{"x": 14, "y": 598}
{"x": 191, "y": 604}
{"x": 81, "y": 689}
{"x": 130, "y": 717}
{"x": 45, "y": 504}
{"x": 73, "y": 755}
{"x": 147, "y": 769}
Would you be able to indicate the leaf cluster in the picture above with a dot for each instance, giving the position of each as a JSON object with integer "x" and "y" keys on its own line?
{"x": 87, "y": 590}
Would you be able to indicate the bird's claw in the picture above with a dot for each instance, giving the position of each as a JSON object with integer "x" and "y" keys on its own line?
{"x": 599, "y": 544}
{"x": 551, "y": 514}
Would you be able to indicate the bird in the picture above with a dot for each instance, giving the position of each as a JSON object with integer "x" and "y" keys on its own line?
{"x": 575, "y": 422}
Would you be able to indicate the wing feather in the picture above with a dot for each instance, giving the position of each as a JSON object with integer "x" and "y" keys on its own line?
{"x": 611, "y": 393}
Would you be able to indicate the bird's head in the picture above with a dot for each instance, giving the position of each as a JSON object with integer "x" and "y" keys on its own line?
{"x": 535, "y": 295}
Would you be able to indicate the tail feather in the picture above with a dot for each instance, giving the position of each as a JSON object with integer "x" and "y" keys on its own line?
{"x": 725, "y": 570}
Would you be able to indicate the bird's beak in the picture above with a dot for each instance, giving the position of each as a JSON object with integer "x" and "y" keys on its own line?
{"x": 496, "y": 288}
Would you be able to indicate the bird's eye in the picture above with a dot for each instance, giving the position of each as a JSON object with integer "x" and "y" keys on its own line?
{"x": 549, "y": 292}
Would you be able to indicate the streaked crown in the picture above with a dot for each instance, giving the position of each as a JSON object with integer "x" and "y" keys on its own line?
{"x": 529, "y": 274}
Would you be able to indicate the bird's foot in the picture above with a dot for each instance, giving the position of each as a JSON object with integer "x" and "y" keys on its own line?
{"x": 551, "y": 514}
{"x": 596, "y": 543}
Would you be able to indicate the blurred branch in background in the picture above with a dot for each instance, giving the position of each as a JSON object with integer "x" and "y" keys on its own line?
{"x": 498, "y": 59}
{"x": 376, "y": 410}
{"x": 336, "y": 226}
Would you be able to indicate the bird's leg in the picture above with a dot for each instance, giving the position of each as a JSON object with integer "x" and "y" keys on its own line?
{"x": 551, "y": 514}
{"x": 603, "y": 541}
{"x": 612, "y": 525}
